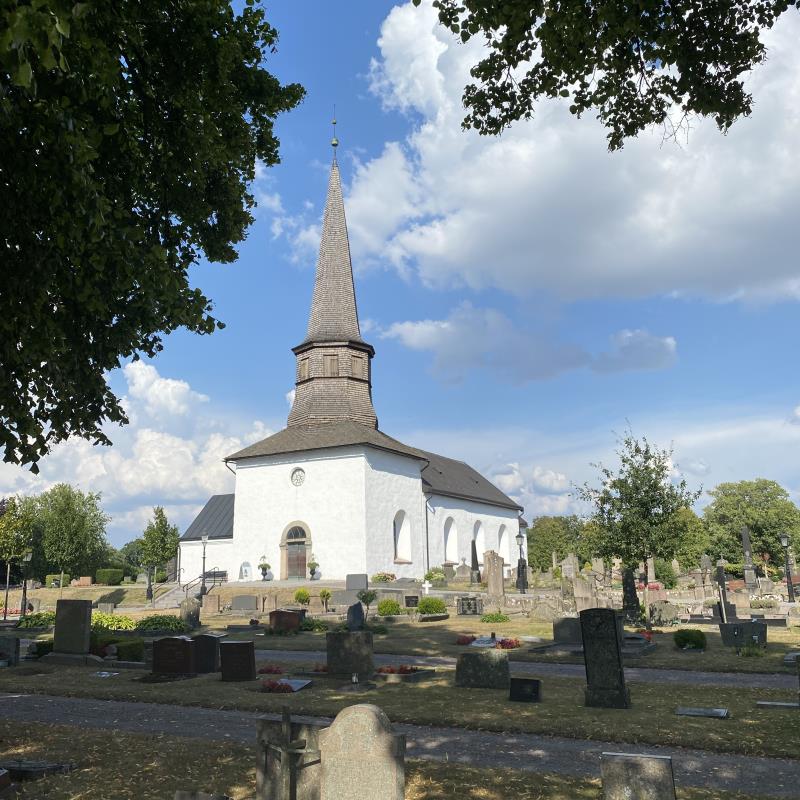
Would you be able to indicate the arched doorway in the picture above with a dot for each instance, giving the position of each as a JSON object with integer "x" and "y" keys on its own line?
{"x": 295, "y": 547}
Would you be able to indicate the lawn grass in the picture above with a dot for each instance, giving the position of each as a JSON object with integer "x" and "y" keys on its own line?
{"x": 651, "y": 720}
{"x": 124, "y": 595}
{"x": 128, "y": 766}
{"x": 407, "y": 637}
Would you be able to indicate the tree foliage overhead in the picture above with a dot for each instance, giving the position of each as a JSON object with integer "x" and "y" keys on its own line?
{"x": 763, "y": 506}
{"x": 15, "y": 530}
{"x": 129, "y": 133}
{"x": 635, "y": 64}
{"x": 636, "y": 506}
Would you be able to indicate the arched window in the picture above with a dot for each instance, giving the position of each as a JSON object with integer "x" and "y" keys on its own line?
{"x": 480, "y": 540}
{"x": 245, "y": 572}
{"x": 402, "y": 537}
{"x": 502, "y": 544}
{"x": 295, "y": 534}
{"x": 450, "y": 541}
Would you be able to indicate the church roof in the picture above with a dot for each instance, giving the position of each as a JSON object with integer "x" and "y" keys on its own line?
{"x": 334, "y": 315}
{"x": 215, "y": 519}
{"x": 440, "y": 475}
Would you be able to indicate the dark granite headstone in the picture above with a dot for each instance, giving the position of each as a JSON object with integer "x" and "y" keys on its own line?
{"x": 602, "y": 655}
{"x": 73, "y": 626}
{"x": 355, "y": 617}
{"x": 567, "y": 630}
{"x": 237, "y": 661}
{"x": 412, "y": 600}
{"x": 356, "y": 582}
{"x": 284, "y": 620}
{"x": 630, "y": 599}
{"x": 174, "y": 655}
{"x": 750, "y": 579}
{"x": 483, "y": 669}
{"x": 525, "y": 690}
{"x": 206, "y": 652}
{"x": 349, "y": 652}
{"x": 474, "y": 570}
{"x": 739, "y": 634}
{"x": 9, "y": 650}
{"x": 469, "y": 605}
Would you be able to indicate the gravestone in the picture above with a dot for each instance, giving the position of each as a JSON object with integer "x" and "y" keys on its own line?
{"x": 341, "y": 598}
{"x": 355, "y": 617}
{"x": 750, "y": 579}
{"x": 628, "y": 776}
{"x": 190, "y": 612}
{"x": 106, "y": 608}
{"x": 630, "y": 599}
{"x": 34, "y": 605}
{"x": 493, "y": 574}
{"x": 284, "y": 620}
{"x": 206, "y": 652}
{"x": 676, "y": 567}
{"x": 174, "y": 655}
{"x": 288, "y": 763}
{"x": 602, "y": 655}
{"x": 356, "y": 582}
{"x": 739, "y": 634}
{"x": 237, "y": 661}
{"x": 449, "y": 571}
{"x": 525, "y": 690}
{"x": 651, "y": 570}
{"x": 570, "y": 566}
{"x": 245, "y": 603}
{"x": 362, "y": 757}
{"x": 9, "y": 650}
{"x": 350, "y": 652}
{"x": 474, "y": 570}
{"x": 73, "y": 626}
{"x": 411, "y": 600}
{"x": 567, "y": 630}
{"x": 584, "y": 593}
{"x": 469, "y": 605}
{"x": 483, "y": 669}
{"x": 462, "y": 571}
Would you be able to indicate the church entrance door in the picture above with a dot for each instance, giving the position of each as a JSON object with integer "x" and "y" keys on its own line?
{"x": 296, "y": 548}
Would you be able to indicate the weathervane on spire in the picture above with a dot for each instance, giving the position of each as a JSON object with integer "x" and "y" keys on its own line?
{"x": 334, "y": 141}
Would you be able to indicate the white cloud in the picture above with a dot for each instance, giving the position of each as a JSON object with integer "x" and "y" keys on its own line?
{"x": 471, "y": 338}
{"x": 158, "y": 395}
{"x": 545, "y": 209}
{"x": 795, "y": 417}
{"x": 290, "y": 397}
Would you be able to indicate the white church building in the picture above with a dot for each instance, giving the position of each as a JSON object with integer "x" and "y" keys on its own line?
{"x": 331, "y": 487}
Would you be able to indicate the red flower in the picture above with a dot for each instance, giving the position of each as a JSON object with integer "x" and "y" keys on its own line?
{"x": 507, "y": 644}
{"x": 270, "y": 669}
{"x": 465, "y": 639}
{"x": 276, "y": 687}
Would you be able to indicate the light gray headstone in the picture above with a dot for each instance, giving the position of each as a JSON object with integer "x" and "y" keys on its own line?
{"x": 636, "y": 777}
{"x": 493, "y": 574}
{"x": 106, "y": 608}
{"x": 567, "y": 630}
{"x": 362, "y": 756}
{"x": 73, "y": 626}
{"x": 244, "y": 602}
{"x": 190, "y": 612}
{"x": 306, "y": 768}
{"x": 356, "y": 582}
{"x": 483, "y": 669}
{"x": 462, "y": 571}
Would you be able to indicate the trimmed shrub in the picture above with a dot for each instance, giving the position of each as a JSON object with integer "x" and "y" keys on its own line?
{"x": 42, "y": 619}
{"x": 302, "y": 597}
{"x": 43, "y": 647}
{"x": 431, "y": 605}
{"x": 161, "y": 622}
{"x": 130, "y": 650}
{"x": 312, "y": 624}
{"x": 690, "y": 638}
{"x": 48, "y": 580}
{"x": 383, "y": 577}
{"x": 109, "y": 576}
{"x": 161, "y": 576}
{"x": 389, "y": 608}
{"x": 495, "y": 618}
{"x": 111, "y": 622}
{"x": 436, "y": 577}
{"x": 763, "y": 602}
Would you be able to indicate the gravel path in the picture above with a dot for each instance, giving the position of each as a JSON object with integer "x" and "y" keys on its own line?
{"x": 754, "y": 680}
{"x": 771, "y": 777}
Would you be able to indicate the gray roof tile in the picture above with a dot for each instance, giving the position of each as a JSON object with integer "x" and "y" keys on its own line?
{"x": 215, "y": 519}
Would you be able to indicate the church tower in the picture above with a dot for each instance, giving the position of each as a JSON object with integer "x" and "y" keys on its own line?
{"x": 333, "y": 380}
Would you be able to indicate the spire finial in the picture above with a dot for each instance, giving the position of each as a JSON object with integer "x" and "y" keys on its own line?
{"x": 334, "y": 141}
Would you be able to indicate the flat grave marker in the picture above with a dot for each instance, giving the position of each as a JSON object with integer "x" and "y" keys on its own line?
{"x": 696, "y": 711}
{"x": 525, "y": 690}
{"x": 628, "y": 776}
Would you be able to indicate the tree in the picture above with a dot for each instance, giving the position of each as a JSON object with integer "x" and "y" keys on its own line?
{"x": 548, "y": 535}
{"x": 131, "y": 553}
{"x": 15, "y": 537}
{"x": 159, "y": 543}
{"x": 129, "y": 133}
{"x": 763, "y": 506}
{"x": 367, "y": 597}
{"x": 692, "y": 536}
{"x": 635, "y": 507}
{"x": 74, "y": 528}
{"x": 634, "y": 64}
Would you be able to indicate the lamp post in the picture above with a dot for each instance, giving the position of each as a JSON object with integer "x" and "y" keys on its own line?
{"x": 522, "y": 566}
{"x": 203, "y": 590}
{"x": 785, "y": 544}
{"x": 25, "y": 561}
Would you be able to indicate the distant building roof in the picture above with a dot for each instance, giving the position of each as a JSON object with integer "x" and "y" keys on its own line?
{"x": 216, "y": 519}
{"x": 440, "y": 475}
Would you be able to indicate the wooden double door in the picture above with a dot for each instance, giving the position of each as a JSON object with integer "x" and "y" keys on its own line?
{"x": 296, "y": 560}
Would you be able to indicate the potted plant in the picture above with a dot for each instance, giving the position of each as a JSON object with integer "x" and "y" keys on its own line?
{"x": 265, "y": 568}
{"x": 312, "y": 568}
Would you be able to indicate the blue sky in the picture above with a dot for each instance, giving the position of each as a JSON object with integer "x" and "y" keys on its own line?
{"x": 527, "y": 296}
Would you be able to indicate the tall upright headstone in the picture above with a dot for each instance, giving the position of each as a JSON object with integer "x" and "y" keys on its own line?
{"x": 651, "y": 570}
{"x": 475, "y": 570}
{"x": 750, "y": 579}
{"x": 72, "y": 634}
{"x": 493, "y": 573}
{"x": 602, "y": 654}
{"x": 630, "y": 600}
{"x": 362, "y": 756}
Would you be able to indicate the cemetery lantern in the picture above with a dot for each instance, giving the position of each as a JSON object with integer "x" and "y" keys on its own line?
{"x": 785, "y": 544}
{"x": 204, "y": 539}
{"x": 522, "y": 566}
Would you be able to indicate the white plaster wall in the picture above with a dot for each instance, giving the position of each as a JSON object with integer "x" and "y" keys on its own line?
{"x": 392, "y": 484}
{"x": 218, "y": 554}
{"x": 466, "y": 513}
{"x": 329, "y": 504}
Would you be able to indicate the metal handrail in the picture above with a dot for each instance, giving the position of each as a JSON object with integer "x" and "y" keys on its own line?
{"x": 199, "y": 579}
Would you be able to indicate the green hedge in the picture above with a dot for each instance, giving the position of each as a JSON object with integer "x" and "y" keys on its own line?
{"x": 111, "y": 622}
{"x": 130, "y": 650}
{"x": 492, "y": 618}
{"x": 691, "y": 638}
{"x": 389, "y": 608}
{"x": 43, "y": 647}
{"x": 431, "y": 605}
{"x": 48, "y": 580}
{"x": 42, "y": 619}
{"x": 161, "y": 622}
{"x": 109, "y": 576}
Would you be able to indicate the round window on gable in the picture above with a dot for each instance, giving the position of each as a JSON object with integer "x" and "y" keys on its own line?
{"x": 298, "y": 476}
